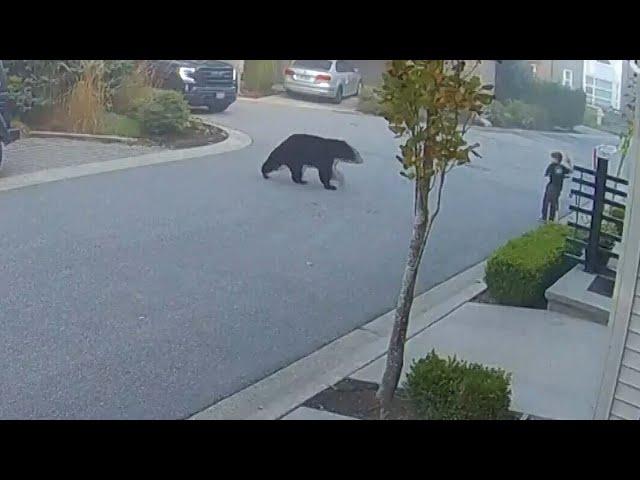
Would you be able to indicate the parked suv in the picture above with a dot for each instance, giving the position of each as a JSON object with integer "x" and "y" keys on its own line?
{"x": 7, "y": 134}
{"x": 205, "y": 83}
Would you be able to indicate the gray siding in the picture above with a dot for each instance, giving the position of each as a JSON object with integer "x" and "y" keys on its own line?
{"x": 626, "y": 399}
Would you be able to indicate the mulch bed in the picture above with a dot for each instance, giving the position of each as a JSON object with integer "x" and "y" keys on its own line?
{"x": 199, "y": 136}
{"x": 357, "y": 399}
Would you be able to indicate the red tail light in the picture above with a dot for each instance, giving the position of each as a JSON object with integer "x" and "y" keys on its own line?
{"x": 288, "y": 71}
{"x": 323, "y": 78}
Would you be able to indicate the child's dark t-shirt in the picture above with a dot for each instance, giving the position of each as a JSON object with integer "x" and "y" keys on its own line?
{"x": 556, "y": 173}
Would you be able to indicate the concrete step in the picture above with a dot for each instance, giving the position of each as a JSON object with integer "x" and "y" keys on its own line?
{"x": 570, "y": 296}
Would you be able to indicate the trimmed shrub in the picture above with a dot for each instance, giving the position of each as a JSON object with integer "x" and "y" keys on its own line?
{"x": 368, "y": 102}
{"x": 617, "y": 212}
{"x": 591, "y": 117}
{"x": 453, "y": 389}
{"x": 165, "y": 112}
{"x": 517, "y": 114}
{"x": 519, "y": 272}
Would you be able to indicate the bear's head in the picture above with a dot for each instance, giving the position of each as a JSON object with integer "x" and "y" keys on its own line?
{"x": 343, "y": 152}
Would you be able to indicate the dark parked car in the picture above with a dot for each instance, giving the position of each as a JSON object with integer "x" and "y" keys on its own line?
{"x": 205, "y": 83}
{"x": 7, "y": 134}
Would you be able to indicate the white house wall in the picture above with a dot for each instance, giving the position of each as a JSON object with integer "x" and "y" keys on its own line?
{"x": 607, "y": 72}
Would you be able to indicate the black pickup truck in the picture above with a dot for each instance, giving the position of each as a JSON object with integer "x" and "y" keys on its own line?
{"x": 205, "y": 83}
{"x": 7, "y": 134}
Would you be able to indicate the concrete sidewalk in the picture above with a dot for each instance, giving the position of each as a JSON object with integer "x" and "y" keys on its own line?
{"x": 556, "y": 361}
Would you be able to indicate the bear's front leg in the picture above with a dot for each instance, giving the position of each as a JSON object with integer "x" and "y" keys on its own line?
{"x": 296, "y": 174}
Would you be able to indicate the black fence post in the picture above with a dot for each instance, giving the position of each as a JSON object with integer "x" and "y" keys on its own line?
{"x": 592, "y": 253}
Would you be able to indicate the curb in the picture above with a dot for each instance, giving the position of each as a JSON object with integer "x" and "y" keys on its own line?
{"x": 84, "y": 136}
{"x": 236, "y": 140}
{"x": 283, "y": 391}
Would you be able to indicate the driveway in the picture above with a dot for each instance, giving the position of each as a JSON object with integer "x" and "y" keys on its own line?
{"x": 156, "y": 291}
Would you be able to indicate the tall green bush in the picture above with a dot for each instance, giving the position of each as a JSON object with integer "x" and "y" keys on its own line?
{"x": 259, "y": 75}
{"x": 519, "y": 272}
{"x": 517, "y": 114}
{"x": 514, "y": 81}
{"x": 564, "y": 105}
{"x": 40, "y": 86}
{"x": 452, "y": 389}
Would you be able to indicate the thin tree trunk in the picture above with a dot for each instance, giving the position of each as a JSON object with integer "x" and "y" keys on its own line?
{"x": 395, "y": 352}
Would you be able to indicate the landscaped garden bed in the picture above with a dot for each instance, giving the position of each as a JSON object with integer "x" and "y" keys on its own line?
{"x": 435, "y": 389}
{"x": 114, "y": 99}
{"x": 357, "y": 399}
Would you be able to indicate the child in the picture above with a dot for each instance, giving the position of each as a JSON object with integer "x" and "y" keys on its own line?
{"x": 556, "y": 172}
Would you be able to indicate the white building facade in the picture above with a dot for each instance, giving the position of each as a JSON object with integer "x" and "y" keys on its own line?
{"x": 602, "y": 83}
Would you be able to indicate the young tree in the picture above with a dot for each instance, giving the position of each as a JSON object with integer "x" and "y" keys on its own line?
{"x": 429, "y": 104}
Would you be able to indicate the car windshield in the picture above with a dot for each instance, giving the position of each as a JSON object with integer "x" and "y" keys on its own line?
{"x": 323, "y": 65}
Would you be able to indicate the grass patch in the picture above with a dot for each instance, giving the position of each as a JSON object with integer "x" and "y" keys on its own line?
{"x": 121, "y": 126}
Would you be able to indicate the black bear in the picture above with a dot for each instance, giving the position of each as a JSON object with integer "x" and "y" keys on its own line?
{"x": 302, "y": 150}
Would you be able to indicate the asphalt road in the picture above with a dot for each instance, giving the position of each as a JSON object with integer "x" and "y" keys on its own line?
{"x": 154, "y": 292}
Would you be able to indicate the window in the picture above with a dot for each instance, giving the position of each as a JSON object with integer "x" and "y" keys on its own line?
{"x": 322, "y": 65}
{"x": 343, "y": 67}
{"x": 606, "y": 62}
{"x": 599, "y": 92}
{"x": 603, "y": 93}
{"x": 567, "y": 78}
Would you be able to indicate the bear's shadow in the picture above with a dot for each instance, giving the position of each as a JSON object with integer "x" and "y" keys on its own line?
{"x": 283, "y": 178}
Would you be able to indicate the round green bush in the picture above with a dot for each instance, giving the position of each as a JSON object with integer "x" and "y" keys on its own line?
{"x": 163, "y": 113}
{"x": 452, "y": 389}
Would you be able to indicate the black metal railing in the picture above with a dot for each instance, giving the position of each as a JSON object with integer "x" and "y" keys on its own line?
{"x": 592, "y": 195}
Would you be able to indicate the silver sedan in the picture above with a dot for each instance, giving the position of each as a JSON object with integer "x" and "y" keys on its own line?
{"x": 334, "y": 79}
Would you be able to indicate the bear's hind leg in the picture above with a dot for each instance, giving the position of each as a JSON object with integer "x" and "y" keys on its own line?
{"x": 325, "y": 177}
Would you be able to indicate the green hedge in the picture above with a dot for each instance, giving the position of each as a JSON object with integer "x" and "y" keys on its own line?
{"x": 165, "y": 112}
{"x": 519, "y": 272}
{"x": 564, "y": 106}
{"x": 452, "y": 389}
{"x": 514, "y": 81}
{"x": 517, "y": 114}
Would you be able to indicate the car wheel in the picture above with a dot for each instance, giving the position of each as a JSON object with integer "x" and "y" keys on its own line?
{"x": 338, "y": 98}
{"x": 218, "y": 107}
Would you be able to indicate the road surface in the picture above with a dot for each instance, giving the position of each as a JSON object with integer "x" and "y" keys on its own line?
{"x": 155, "y": 292}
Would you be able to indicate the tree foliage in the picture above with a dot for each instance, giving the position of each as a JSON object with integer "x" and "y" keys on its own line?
{"x": 424, "y": 102}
